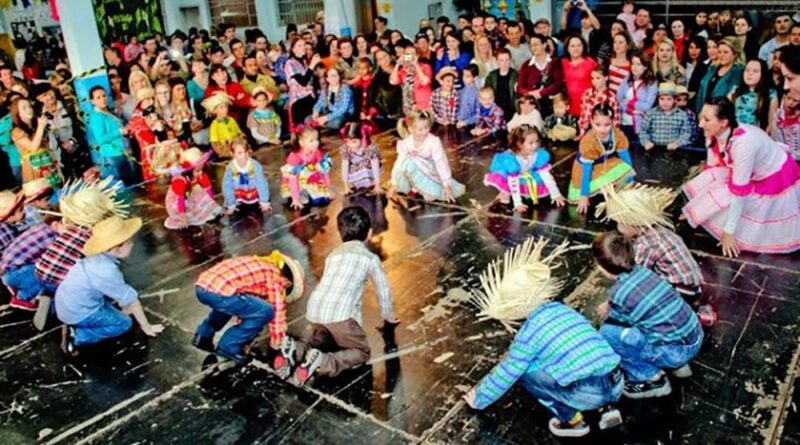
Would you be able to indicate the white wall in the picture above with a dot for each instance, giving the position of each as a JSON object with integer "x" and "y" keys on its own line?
{"x": 172, "y": 14}
{"x": 405, "y": 14}
{"x": 268, "y": 21}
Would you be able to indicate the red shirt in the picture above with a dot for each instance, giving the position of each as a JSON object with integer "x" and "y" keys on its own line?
{"x": 241, "y": 100}
{"x": 577, "y": 79}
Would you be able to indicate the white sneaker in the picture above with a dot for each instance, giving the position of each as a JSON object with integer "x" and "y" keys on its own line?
{"x": 610, "y": 419}
{"x": 684, "y": 372}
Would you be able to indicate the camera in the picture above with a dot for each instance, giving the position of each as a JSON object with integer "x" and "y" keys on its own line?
{"x": 575, "y": 3}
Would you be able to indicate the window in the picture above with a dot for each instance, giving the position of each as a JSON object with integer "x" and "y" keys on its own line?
{"x": 298, "y": 11}
{"x": 241, "y": 13}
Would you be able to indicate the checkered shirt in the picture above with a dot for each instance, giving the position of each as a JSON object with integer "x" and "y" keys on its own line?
{"x": 592, "y": 98}
{"x": 445, "y": 108}
{"x": 664, "y": 252}
{"x": 249, "y": 275}
{"x": 62, "y": 254}
{"x": 7, "y": 234}
{"x": 663, "y": 128}
{"x": 492, "y": 119}
{"x": 27, "y": 247}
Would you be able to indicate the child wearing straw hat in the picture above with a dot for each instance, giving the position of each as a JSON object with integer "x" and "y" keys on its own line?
{"x": 640, "y": 214}
{"x": 224, "y": 129}
{"x": 263, "y": 122}
{"x": 37, "y": 198}
{"x": 190, "y": 198}
{"x": 255, "y": 289}
{"x": 445, "y": 100}
{"x": 149, "y": 130}
{"x": 666, "y": 126}
{"x": 85, "y": 299}
{"x": 557, "y": 355}
{"x": 646, "y": 321}
{"x": 11, "y": 214}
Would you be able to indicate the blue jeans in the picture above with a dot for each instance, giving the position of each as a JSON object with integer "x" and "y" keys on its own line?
{"x": 117, "y": 166}
{"x": 642, "y": 360}
{"x": 24, "y": 282}
{"x": 254, "y": 312}
{"x": 106, "y": 322}
{"x": 565, "y": 401}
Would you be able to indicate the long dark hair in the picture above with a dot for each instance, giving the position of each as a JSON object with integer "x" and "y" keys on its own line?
{"x": 700, "y": 42}
{"x": 725, "y": 110}
{"x": 648, "y": 76}
{"x": 762, "y": 90}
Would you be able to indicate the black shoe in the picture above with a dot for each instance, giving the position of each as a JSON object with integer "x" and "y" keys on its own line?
{"x": 239, "y": 359}
{"x": 645, "y": 390}
{"x": 203, "y": 343}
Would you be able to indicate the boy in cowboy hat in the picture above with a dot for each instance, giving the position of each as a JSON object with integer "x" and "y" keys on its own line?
{"x": 38, "y": 194}
{"x": 263, "y": 122}
{"x": 224, "y": 129}
{"x": 11, "y": 213}
{"x": 667, "y": 125}
{"x": 254, "y": 289}
{"x": 646, "y": 321}
{"x": 334, "y": 308}
{"x": 445, "y": 100}
{"x": 84, "y": 298}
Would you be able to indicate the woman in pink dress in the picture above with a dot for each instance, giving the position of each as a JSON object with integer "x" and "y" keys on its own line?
{"x": 748, "y": 195}
{"x": 577, "y": 68}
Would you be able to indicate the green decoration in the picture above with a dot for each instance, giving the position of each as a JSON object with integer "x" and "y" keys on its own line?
{"x": 119, "y": 19}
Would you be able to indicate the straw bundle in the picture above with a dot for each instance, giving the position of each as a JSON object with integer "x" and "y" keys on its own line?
{"x": 637, "y": 205}
{"x": 513, "y": 287}
{"x": 87, "y": 203}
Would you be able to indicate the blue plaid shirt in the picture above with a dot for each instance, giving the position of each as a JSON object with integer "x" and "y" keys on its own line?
{"x": 8, "y": 232}
{"x": 557, "y": 340}
{"x": 27, "y": 247}
{"x": 644, "y": 300}
{"x": 662, "y": 128}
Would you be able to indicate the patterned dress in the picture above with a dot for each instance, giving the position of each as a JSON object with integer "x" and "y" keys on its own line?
{"x": 600, "y": 163}
{"x": 38, "y": 163}
{"x": 514, "y": 175}
{"x": 306, "y": 179}
{"x": 193, "y": 198}
{"x": 359, "y": 162}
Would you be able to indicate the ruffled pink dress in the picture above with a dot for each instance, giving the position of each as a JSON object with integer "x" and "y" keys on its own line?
{"x": 752, "y": 166}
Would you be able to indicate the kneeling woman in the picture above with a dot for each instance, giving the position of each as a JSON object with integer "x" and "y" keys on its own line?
{"x": 748, "y": 195}
{"x": 190, "y": 198}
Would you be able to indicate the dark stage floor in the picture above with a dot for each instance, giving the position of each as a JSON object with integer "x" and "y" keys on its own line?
{"x": 155, "y": 391}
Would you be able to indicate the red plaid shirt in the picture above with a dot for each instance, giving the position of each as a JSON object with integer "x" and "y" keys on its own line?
{"x": 592, "y": 98}
{"x": 62, "y": 254}
{"x": 27, "y": 247}
{"x": 252, "y": 276}
{"x": 664, "y": 252}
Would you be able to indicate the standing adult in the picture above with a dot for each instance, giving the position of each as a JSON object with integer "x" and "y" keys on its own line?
{"x": 503, "y": 82}
{"x": 520, "y": 53}
{"x": 541, "y": 76}
{"x": 484, "y": 59}
{"x": 642, "y": 23}
{"x": 28, "y": 134}
{"x": 782, "y": 27}
{"x": 577, "y": 67}
{"x": 301, "y": 88}
{"x": 619, "y": 64}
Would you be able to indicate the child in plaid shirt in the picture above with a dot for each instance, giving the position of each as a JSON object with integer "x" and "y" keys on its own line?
{"x": 682, "y": 102}
{"x": 334, "y": 308}
{"x": 490, "y": 115}
{"x": 17, "y": 263}
{"x": 445, "y": 99}
{"x": 667, "y": 125}
{"x": 255, "y": 289}
{"x": 11, "y": 213}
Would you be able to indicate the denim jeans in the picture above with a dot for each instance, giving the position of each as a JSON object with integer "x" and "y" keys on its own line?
{"x": 642, "y": 360}
{"x": 254, "y": 313}
{"x": 24, "y": 282}
{"x": 119, "y": 167}
{"x": 107, "y": 322}
{"x": 585, "y": 394}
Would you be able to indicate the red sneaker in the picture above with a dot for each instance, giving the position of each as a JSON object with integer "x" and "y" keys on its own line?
{"x": 23, "y": 305}
{"x": 306, "y": 370}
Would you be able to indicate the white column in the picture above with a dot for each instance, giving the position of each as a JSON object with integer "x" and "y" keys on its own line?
{"x": 269, "y": 20}
{"x": 340, "y": 17}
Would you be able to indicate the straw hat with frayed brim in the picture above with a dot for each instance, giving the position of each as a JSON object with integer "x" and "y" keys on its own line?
{"x": 110, "y": 233}
{"x": 10, "y": 202}
{"x": 145, "y": 93}
{"x": 35, "y": 189}
{"x": 637, "y": 206}
{"x": 261, "y": 90}
{"x": 298, "y": 279}
{"x": 216, "y": 99}
{"x": 446, "y": 71}
{"x": 518, "y": 283}
{"x": 667, "y": 89}
{"x": 190, "y": 159}
{"x": 87, "y": 203}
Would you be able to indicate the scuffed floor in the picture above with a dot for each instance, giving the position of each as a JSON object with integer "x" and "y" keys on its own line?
{"x": 157, "y": 391}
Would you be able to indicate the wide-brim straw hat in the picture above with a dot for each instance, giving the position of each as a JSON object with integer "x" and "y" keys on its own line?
{"x": 637, "y": 206}
{"x": 680, "y": 90}
{"x": 33, "y": 190}
{"x": 9, "y": 203}
{"x": 87, "y": 203}
{"x": 193, "y": 158}
{"x": 110, "y": 233}
{"x": 215, "y": 100}
{"x": 667, "y": 89}
{"x": 518, "y": 283}
{"x": 145, "y": 93}
{"x": 298, "y": 279}
{"x": 262, "y": 90}
{"x": 562, "y": 132}
{"x": 446, "y": 71}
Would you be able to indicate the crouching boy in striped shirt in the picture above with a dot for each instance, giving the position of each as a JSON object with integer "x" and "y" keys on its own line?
{"x": 334, "y": 308}
{"x": 646, "y": 321}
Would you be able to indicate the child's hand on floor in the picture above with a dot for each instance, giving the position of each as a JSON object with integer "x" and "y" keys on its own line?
{"x": 347, "y": 189}
{"x": 152, "y": 330}
{"x": 649, "y": 145}
{"x": 296, "y": 205}
{"x": 522, "y": 208}
{"x": 448, "y": 194}
{"x": 602, "y": 310}
{"x": 559, "y": 201}
{"x": 377, "y": 189}
{"x": 583, "y": 205}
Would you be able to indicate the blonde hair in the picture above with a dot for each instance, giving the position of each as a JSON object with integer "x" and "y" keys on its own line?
{"x": 404, "y": 125}
{"x": 735, "y": 46}
{"x": 135, "y": 75}
{"x": 485, "y": 90}
{"x": 673, "y": 63}
{"x": 479, "y": 60}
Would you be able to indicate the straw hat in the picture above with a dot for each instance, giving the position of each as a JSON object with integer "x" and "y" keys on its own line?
{"x": 524, "y": 281}
{"x": 262, "y": 90}
{"x": 667, "y": 89}
{"x": 216, "y": 99}
{"x": 87, "y": 203}
{"x": 446, "y": 71}
{"x": 681, "y": 90}
{"x": 637, "y": 205}
{"x": 145, "y": 93}
{"x": 298, "y": 279}
{"x": 9, "y": 203}
{"x": 35, "y": 189}
{"x": 562, "y": 132}
{"x": 193, "y": 158}
{"x": 110, "y": 233}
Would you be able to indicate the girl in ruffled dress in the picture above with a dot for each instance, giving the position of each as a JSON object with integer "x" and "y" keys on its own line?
{"x": 361, "y": 162}
{"x": 306, "y": 174}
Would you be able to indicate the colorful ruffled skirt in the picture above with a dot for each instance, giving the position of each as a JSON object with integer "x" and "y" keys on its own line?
{"x": 611, "y": 171}
{"x": 419, "y": 174}
{"x": 200, "y": 208}
{"x": 362, "y": 178}
{"x": 500, "y": 182}
{"x": 314, "y": 186}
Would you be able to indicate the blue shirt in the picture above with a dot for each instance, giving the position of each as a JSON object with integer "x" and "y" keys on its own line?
{"x": 105, "y": 134}
{"x": 468, "y": 104}
{"x": 87, "y": 285}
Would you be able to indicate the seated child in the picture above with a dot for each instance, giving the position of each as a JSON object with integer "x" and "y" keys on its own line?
{"x": 305, "y": 178}
{"x": 255, "y": 289}
{"x": 11, "y": 216}
{"x": 639, "y": 212}
{"x": 224, "y": 129}
{"x": 38, "y": 194}
{"x": 263, "y": 122}
{"x": 84, "y": 300}
{"x": 445, "y": 99}
{"x": 526, "y": 114}
{"x": 597, "y": 94}
{"x": 561, "y": 126}
{"x": 787, "y": 123}
{"x": 603, "y": 159}
{"x": 361, "y": 85}
{"x": 682, "y": 102}
{"x": 490, "y": 115}
{"x": 17, "y": 262}
{"x": 244, "y": 181}
{"x": 159, "y": 149}
{"x": 523, "y": 171}
{"x": 666, "y": 126}
{"x": 646, "y": 321}
{"x": 468, "y": 98}
{"x": 334, "y": 308}
{"x": 422, "y": 166}
{"x": 190, "y": 198}
{"x": 361, "y": 162}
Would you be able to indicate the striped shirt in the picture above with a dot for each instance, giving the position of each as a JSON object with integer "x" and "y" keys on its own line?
{"x": 557, "y": 340}
{"x": 27, "y": 247}
{"x": 340, "y": 294}
{"x": 62, "y": 254}
{"x": 664, "y": 252}
{"x": 249, "y": 275}
{"x": 644, "y": 300}
{"x": 616, "y": 74}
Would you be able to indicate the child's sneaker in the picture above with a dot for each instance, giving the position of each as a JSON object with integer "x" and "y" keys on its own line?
{"x": 203, "y": 343}
{"x": 610, "y": 419}
{"x": 574, "y": 428}
{"x": 307, "y": 369}
{"x": 16, "y": 303}
{"x": 68, "y": 341}
{"x": 42, "y": 312}
{"x": 284, "y": 362}
{"x": 644, "y": 390}
{"x": 684, "y": 372}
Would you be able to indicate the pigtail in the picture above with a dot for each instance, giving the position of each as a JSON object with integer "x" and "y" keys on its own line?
{"x": 404, "y": 125}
